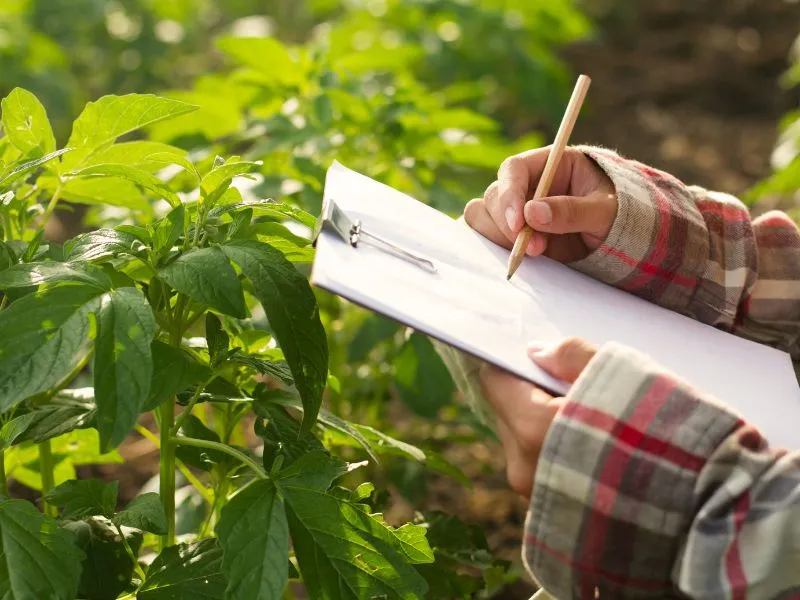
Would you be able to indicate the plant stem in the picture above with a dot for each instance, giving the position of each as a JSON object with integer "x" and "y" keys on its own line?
{"x": 51, "y": 206}
{"x": 167, "y": 471}
{"x": 205, "y": 492}
{"x": 241, "y": 457}
{"x": 48, "y": 480}
{"x": 3, "y": 481}
{"x": 188, "y": 410}
{"x": 129, "y": 550}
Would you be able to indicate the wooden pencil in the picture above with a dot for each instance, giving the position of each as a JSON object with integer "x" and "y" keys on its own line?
{"x": 550, "y": 167}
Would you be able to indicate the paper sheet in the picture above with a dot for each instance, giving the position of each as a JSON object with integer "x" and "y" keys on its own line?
{"x": 469, "y": 304}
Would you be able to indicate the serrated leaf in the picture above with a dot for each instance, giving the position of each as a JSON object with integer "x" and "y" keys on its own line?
{"x": 42, "y": 337}
{"x": 207, "y": 277}
{"x": 84, "y": 498}
{"x": 293, "y": 315}
{"x": 174, "y": 370}
{"x": 113, "y": 191}
{"x": 169, "y": 229}
{"x": 268, "y": 208}
{"x": 25, "y": 123}
{"x": 315, "y": 470}
{"x": 343, "y": 552}
{"x": 123, "y": 364}
{"x": 34, "y": 274}
{"x": 38, "y": 559}
{"x": 99, "y": 245}
{"x": 186, "y": 572}
{"x": 254, "y": 536}
{"x": 144, "y": 512}
{"x": 107, "y": 568}
{"x": 135, "y": 175}
{"x": 109, "y": 117}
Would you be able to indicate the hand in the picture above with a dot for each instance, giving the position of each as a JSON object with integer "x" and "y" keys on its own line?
{"x": 524, "y": 412}
{"x": 570, "y": 223}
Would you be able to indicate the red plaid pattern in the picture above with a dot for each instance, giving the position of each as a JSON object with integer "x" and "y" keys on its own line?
{"x": 646, "y": 488}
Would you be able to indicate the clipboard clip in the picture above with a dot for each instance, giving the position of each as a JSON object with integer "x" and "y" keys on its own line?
{"x": 334, "y": 219}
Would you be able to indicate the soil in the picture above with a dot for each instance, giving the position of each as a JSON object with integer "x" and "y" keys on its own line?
{"x": 688, "y": 86}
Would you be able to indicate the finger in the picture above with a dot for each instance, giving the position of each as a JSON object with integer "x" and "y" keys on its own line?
{"x": 477, "y": 217}
{"x": 593, "y": 214}
{"x": 503, "y": 216}
{"x": 567, "y": 360}
{"x": 509, "y": 396}
{"x": 515, "y": 177}
{"x": 538, "y": 244}
{"x": 519, "y": 471}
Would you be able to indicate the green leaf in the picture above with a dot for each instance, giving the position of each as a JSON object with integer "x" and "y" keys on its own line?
{"x": 46, "y": 422}
{"x": 43, "y": 338}
{"x": 186, "y": 572}
{"x": 143, "y": 154}
{"x": 282, "y": 436}
{"x": 207, "y": 277}
{"x": 278, "y": 370}
{"x": 135, "y": 175}
{"x": 169, "y": 229}
{"x": 268, "y": 56}
{"x": 293, "y": 315}
{"x": 7, "y": 256}
{"x": 107, "y": 568}
{"x": 144, "y": 512}
{"x": 102, "y": 244}
{"x": 343, "y": 552}
{"x": 254, "y": 536}
{"x": 123, "y": 364}
{"x": 223, "y": 175}
{"x": 422, "y": 379}
{"x": 25, "y": 123}
{"x": 109, "y": 117}
{"x": 84, "y": 498}
{"x": 34, "y": 274}
{"x": 174, "y": 370}
{"x": 268, "y": 208}
{"x": 113, "y": 191}
{"x": 200, "y": 458}
{"x": 20, "y": 169}
{"x": 315, "y": 470}
{"x": 38, "y": 559}
{"x": 216, "y": 338}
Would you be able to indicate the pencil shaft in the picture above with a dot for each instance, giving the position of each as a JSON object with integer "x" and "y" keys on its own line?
{"x": 550, "y": 167}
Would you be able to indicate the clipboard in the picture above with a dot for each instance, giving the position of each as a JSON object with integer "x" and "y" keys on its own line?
{"x": 393, "y": 255}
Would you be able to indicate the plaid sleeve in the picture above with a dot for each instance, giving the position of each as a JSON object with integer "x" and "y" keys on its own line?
{"x": 699, "y": 253}
{"x": 645, "y": 489}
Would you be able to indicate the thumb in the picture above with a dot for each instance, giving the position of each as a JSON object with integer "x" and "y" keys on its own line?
{"x": 567, "y": 360}
{"x": 593, "y": 214}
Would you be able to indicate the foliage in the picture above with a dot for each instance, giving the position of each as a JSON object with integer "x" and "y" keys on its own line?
{"x": 162, "y": 314}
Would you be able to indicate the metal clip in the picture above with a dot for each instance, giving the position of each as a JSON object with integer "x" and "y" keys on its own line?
{"x": 334, "y": 219}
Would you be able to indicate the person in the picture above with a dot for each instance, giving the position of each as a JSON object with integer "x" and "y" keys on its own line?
{"x": 640, "y": 486}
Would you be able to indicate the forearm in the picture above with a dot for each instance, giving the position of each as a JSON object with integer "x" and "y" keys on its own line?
{"x": 644, "y": 488}
{"x": 698, "y": 253}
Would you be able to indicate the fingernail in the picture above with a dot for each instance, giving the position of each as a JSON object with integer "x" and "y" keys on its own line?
{"x": 511, "y": 218}
{"x": 542, "y": 213}
{"x": 530, "y": 247}
{"x": 537, "y": 349}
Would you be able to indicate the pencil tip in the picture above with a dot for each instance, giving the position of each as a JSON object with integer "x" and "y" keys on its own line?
{"x": 508, "y": 277}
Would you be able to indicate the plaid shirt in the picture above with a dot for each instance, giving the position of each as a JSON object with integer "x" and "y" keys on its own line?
{"x": 646, "y": 488}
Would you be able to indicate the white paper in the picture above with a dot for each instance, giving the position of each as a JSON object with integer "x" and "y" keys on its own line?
{"x": 469, "y": 304}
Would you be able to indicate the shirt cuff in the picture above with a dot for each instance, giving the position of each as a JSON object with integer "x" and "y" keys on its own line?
{"x": 613, "y": 492}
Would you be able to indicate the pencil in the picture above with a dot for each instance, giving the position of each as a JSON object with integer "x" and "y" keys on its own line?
{"x": 550, "y": 167}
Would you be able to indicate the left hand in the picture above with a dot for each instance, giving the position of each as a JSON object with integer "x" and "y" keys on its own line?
{"x": 524, "y": 412}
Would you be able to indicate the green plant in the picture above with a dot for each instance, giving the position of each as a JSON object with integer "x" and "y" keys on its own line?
{"x": 198, "y": 316}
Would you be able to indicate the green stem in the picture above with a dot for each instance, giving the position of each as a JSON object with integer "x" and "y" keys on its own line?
{"x": 46, "y": 467}
{"x": 129, "y": 550}
{"x": 3, "y": 481}
{"x": 240, "y": 456}
{"x": 188, "y": 410}
{"x": 51, "y": 206}
{"x": 167, "y": 470}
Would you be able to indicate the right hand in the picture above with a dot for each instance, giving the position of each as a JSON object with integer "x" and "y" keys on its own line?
{"x": 572, "y": 221}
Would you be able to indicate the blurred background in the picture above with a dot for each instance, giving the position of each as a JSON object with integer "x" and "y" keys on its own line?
{"x": 428, "y": 96}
